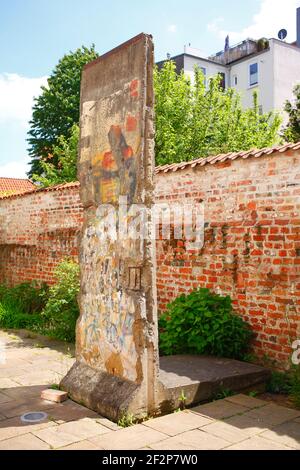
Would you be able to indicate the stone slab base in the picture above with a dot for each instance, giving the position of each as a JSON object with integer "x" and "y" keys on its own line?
{"x": 197, "y": 378}
{"x": 106, "y": 394}
{"x": 200, "y": 378}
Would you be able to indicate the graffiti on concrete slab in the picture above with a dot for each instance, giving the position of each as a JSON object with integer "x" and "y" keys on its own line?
{"x": 114, "y": 169}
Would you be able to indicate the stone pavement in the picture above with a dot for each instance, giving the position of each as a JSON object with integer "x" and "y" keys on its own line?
{"x": 239, "y": 422}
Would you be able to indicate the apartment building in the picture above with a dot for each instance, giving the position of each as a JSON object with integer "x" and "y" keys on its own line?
{"x": 270, "y": 66}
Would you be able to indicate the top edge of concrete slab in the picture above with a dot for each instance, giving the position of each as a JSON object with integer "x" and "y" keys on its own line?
{"x": 202, "y": 377}
{"x": 125, "y": 44}
{"x": 182, "y": 370}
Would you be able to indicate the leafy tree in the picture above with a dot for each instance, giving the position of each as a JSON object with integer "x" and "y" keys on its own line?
{"x": 57, "y": 108}
{"x": 292, "y": 131}
{"x": 65, "y": 158}
{"x": 192, "y": 121}
{"x": 198, "y": 120}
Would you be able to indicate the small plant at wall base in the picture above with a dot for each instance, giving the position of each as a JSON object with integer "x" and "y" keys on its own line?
{"x": 126, "y": 420}
{"x": 203, "y": 322}
{"x": 286, "y": 383}
{"x": 295, "y": 387}
{"x": 279, "y": 383}
{"x": 223, "y": 393}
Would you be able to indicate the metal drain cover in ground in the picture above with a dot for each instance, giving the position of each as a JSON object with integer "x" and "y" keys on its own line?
{"x": 34, "y": 417}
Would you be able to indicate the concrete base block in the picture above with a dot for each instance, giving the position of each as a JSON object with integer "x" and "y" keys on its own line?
{"x": 200, "y": 378}
{"x": 104, "y": 393}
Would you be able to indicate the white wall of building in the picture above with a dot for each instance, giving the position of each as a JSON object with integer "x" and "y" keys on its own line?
{"x": 211, "y": 68}
{"x": 265, "y": 85}
{"x": 278, "y": 73}
{"x": 286, "y": 73}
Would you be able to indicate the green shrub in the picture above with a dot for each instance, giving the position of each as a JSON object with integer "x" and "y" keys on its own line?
{"x": 62, "y": 310}
{"x": 28, "y": 297}
{"x": 279, "y": 382}
{"x": 286, "y": 383}
{"x": 20, "y": 306}
{"x": 203, "y": 323}
{"x": 295, "y": 387}
{"x": 13, "y": 320}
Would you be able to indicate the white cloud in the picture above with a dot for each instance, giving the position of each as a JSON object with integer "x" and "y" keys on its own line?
{"x": 16, "y": 96}
{"x": 14, "y": 169}
{"x": 215, "y": 25}
{"x": 16, "y": 101}
{"x": 172, "y": 28}
{"x": 272, "y": 16}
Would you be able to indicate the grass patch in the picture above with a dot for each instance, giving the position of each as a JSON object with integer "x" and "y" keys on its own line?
{"x": 21, "y": 306}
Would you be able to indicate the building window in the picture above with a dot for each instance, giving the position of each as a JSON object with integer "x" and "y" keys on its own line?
{"x": 203, "y": 70}
{"x": 235, "y": 80}
{"x": 222, "y": 80}
{"x": 253, "y": 74}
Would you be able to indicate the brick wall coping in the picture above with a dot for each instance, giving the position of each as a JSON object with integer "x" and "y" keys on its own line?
{"x": 180, "y": 166}
{"x": 228, "y": 156}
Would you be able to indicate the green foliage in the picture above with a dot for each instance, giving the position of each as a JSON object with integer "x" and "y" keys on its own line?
{"x": 61, "y": 311}
{"x": 15, "y": 320}
{"x": 182, "y": 400}
{"x": 263, "y": 44}
{"x": 65, "y": 154}
{"x": 56, "y": 110}
{"x": 280, "y": 382}
{"x": 192, "y": 121}
{"x": 295, "y": 387}
{"x": 286, "y": 383}
{"x": 223, "y": 393}
{"x": 28, "y": 297}
{"x": 20, "y": 306}
{"x": 203, "y": 323}
{"x": 52, "y": 311}
{"x": 292, "y": 131}
{"x": 126, "y": 420}
{"x": 198, "y": 120}
{"x": 54, "y": 387}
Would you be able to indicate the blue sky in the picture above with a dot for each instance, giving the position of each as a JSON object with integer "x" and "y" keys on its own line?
{"x": 34, "y": 34}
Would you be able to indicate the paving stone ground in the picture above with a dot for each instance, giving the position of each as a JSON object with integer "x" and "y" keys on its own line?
{"x": 32, "y": 363}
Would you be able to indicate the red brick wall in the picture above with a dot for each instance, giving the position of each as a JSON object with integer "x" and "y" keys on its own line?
{"x": 252, "y": 243}
{"x": 37, "y": 230}
{"x": 251, "y": 249}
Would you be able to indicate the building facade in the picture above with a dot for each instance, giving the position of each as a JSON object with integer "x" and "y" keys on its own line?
{"x": 269, "y": 66}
